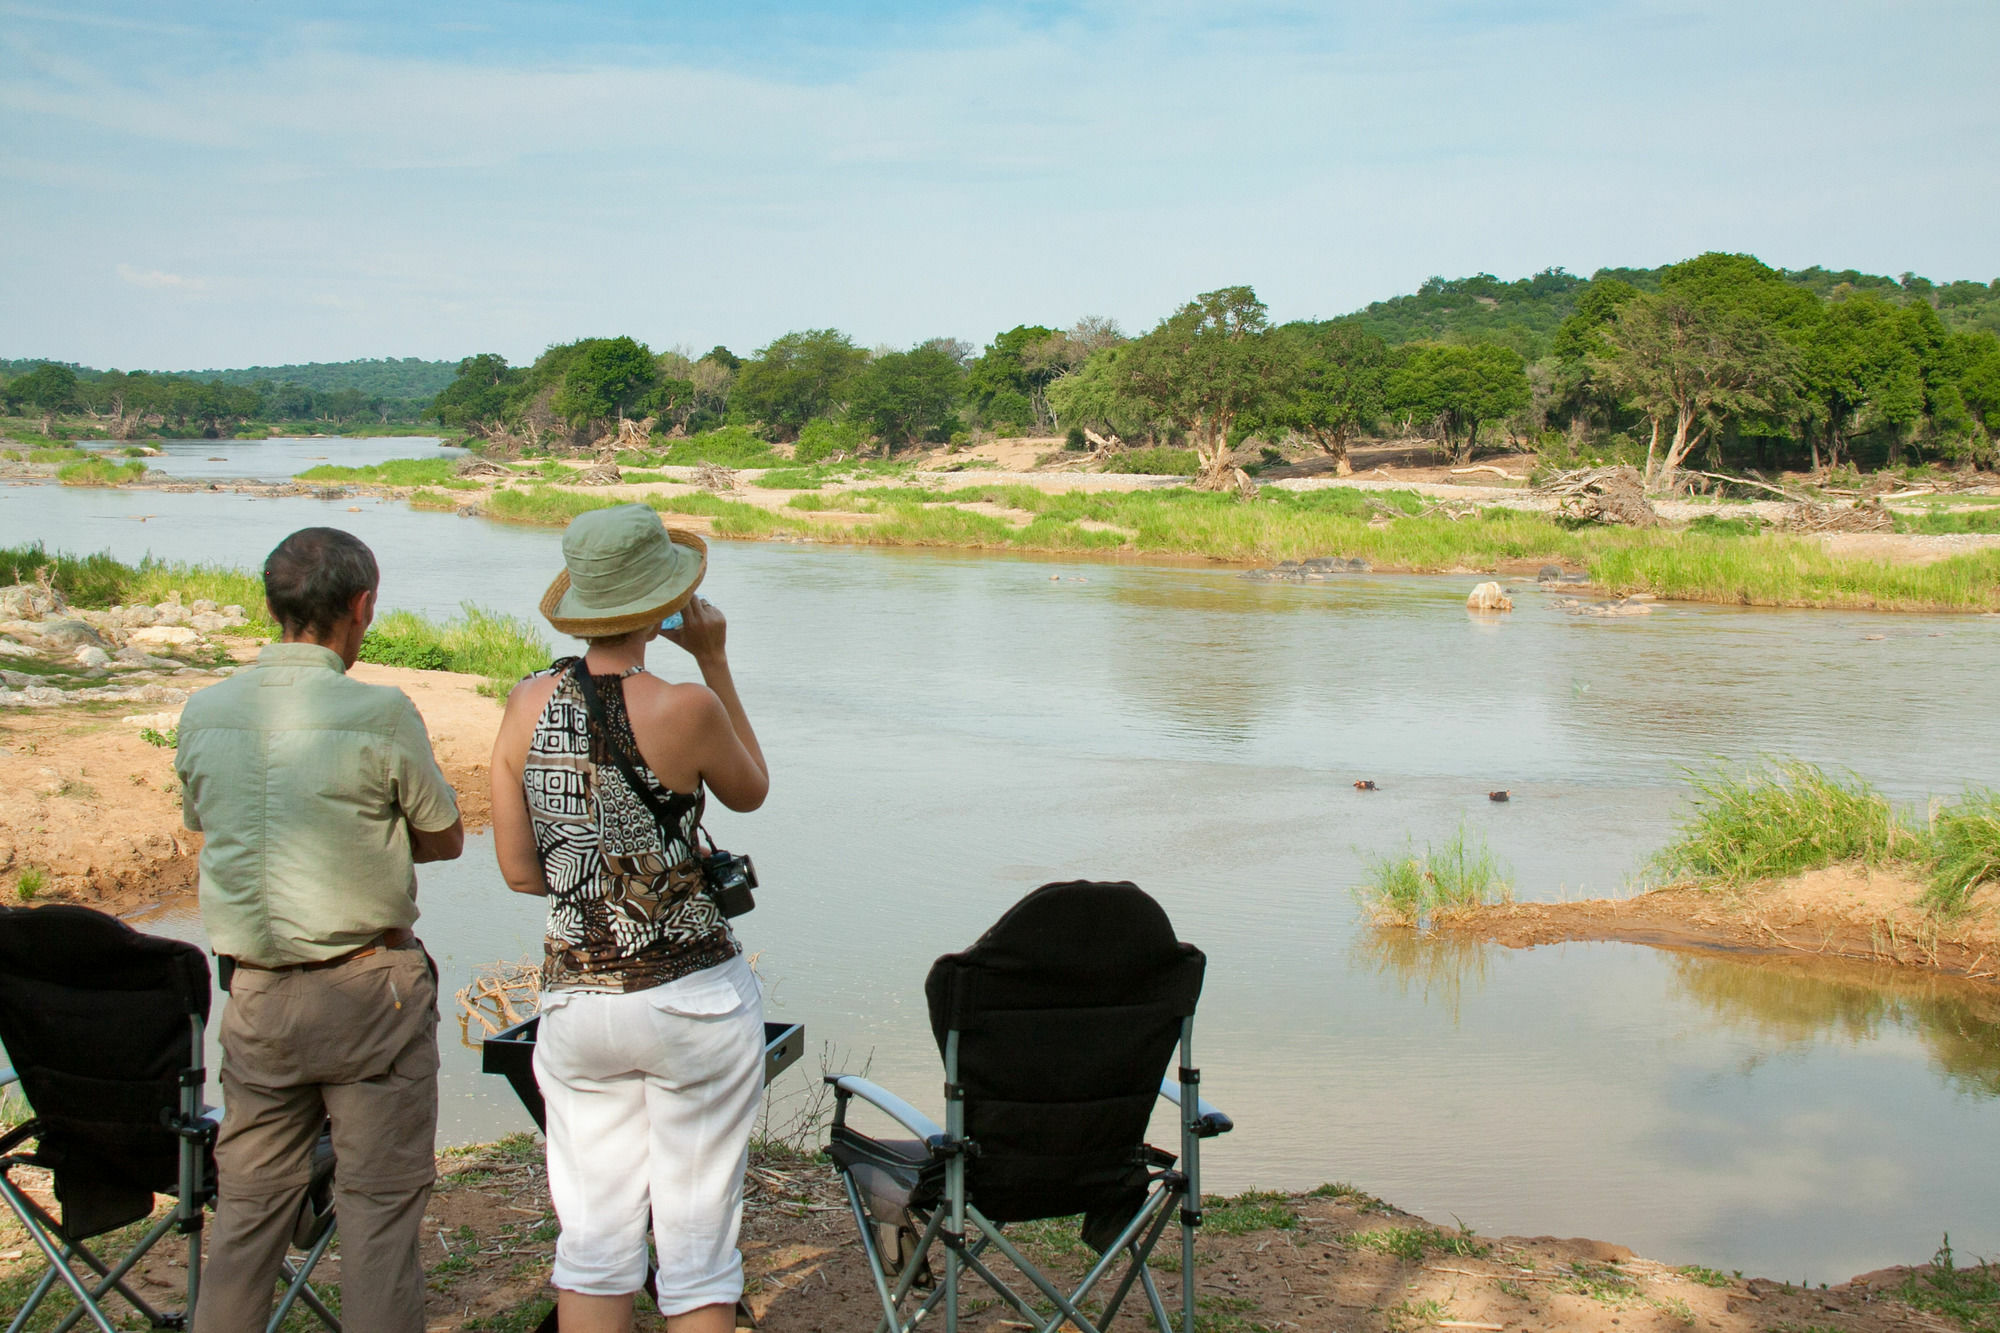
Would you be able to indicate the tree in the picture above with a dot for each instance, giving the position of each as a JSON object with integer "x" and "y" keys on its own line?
{"x": 1097, "y": 398}
{"x": 607, "y": 377}
{"x": 1333, "y": 384}
{"x": 1207, "y": 364}
{"x": 1459, "y": 387}
{"x": 49, "y": 388}
{"x": 800, "y": 376}
{"x": 1000, "y": 385}
{"x": 1696, "y": 361}
{"x": 909, "y": 396}
{"x": 479, "y": 398}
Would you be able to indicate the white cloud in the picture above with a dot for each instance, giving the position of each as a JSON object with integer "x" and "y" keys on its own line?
{"x": 157, "y": 280}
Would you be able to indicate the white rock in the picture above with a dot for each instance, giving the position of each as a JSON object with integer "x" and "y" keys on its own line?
{"x": 140, "y": 615}
{"x": 92, "y": 657}
{"x": 170, "y": 613}
{"x": 235, "y": 612}
{"x": 157, "y": 721}
{"x": 204, "y": 607}
{"x": 1489, "y": 597}
{"x": 208, "y": 621}
{"x": 8, "y": 648}
{"x": 164, "y": 636}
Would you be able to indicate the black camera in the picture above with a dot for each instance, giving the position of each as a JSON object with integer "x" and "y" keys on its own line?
{"x": 729, "y": 880}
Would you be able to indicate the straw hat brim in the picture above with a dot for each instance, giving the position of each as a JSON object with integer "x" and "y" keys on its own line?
{"x": 607, "y": 627}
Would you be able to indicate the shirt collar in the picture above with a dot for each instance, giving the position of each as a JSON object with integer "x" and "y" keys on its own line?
{"x": 300, "y": 655}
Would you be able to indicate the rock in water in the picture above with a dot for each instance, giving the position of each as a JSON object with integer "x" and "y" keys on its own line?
{"x": 1489, "y": 597}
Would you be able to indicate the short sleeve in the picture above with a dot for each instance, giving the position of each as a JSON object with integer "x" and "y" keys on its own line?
{"x": 422, "y": 793}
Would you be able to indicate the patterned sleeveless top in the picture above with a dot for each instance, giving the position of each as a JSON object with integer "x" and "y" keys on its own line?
{"x": 626, "y": 906}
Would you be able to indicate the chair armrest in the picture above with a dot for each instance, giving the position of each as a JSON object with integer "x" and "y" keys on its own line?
{"x": 904, "y": 1114}
{"x": 1209, "y": 1118}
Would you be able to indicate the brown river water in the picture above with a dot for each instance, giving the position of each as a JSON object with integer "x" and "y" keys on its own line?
{"x": 947, "y": 730}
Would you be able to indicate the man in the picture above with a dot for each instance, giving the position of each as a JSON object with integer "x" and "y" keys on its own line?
{"x": 317, "y": 794}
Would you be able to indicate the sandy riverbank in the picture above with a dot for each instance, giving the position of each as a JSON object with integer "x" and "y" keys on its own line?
{"x": 1332, "y": 1259}
{"x": 96, "y": 809}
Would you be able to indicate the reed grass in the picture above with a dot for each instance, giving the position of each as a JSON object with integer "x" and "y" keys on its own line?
{"x": 100, "y": 472}
{"x": 1965, "y": 852}
{"x": 98, "y": 581}
{"x": 1781, "y": 818}
{"x": 1427, "y": 888}
{"x": 395, "y": 472}
{"x": 477, "y": 641}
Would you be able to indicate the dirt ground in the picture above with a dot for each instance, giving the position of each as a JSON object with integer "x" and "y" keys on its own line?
{"x": 1331, "y": 1259}
{"x": 95, "y": 810}
{"x": 1841, "y": 912}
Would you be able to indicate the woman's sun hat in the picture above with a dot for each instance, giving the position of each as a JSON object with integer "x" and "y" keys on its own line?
{"x": 623, "y": 570}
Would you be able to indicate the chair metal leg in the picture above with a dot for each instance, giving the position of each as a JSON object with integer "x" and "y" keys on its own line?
{"x": 40, "y": 1226}
{"x": 297, "y": 1288}
{"x": 113, "y": 1279}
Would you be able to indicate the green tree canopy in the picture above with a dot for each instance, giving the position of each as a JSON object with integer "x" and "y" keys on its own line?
{"x": 1207, "y": 364}
{"x": 1003, "y": 388}
{"x": 1458, "y": 387}
{"x": 1333, "y": 386}
{"x": 481, "y": 394}
{"x": 909, "y": 396}
{"x": 800, "y": 376}
{"x": 1697, "y": 361}
{"x": 606, "y": 379}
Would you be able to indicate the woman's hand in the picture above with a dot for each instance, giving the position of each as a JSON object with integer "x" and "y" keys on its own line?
{"x": 702, "y": 630}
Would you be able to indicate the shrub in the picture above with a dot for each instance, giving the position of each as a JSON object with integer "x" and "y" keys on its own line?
{"x": 824, "y": 437}
{"x": 1073, "y": 438}
{"x": 731, "y": 446}
{"x": 165, "y": 740}
{"x": 477, "y": 641}
{"x": 1157, "y": 462}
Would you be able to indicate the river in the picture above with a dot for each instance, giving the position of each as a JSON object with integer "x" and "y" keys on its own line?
{"x": 947, "y": 730}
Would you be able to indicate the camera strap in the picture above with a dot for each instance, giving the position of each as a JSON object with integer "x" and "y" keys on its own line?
{"x": 664, "y": 814}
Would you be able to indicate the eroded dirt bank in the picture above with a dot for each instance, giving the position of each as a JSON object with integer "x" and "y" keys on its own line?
{"x": 91, "y": 810}
{"x": 1841, "y": 912}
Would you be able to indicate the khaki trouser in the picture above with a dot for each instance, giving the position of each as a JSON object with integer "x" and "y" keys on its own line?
{"x": 357, "y": 1042}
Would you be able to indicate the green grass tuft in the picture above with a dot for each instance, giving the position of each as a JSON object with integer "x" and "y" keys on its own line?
{"x": 29, "y": 883}
{"x": 395, "y": 472}
{"x": 1420, "y": 889}
{"x": 1968, "y": 1296}
{"x": 100, "y": 472}
{"x": 1965, "y": 842}
{"x": 98, "y": 581}
{"x": 476, "y": 641}
{"x": 165, "y": 740}
{"x": 1781, "y": 819}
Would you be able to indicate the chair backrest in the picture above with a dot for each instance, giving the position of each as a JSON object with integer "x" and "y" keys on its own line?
{"x": 1068, "y": 1011}
{"x": 99, "y": 1021}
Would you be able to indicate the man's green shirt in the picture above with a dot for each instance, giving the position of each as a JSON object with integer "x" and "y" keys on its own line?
{"x": 302, "y": 780}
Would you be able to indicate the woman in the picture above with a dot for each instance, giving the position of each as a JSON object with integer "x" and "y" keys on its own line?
{"x": 650, "y": 1054}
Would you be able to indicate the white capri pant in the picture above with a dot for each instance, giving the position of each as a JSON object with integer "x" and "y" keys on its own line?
{"x": 651, "y": 1097}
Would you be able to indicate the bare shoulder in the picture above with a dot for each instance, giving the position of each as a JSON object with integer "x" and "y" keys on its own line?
{"x": 531, "y": 693}
{"x": 650, "y": 701}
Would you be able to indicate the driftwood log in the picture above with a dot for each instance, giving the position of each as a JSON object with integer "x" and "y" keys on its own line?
{"x": 1805, "y": 516}
{"x": 715, "y": 477}
{"x": 1602, "y": 495}
{"x": 600, "y": 474}
{"x": 479, "y": 468}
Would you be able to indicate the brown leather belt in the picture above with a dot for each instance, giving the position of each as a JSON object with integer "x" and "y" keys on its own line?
{"x": 394, "y": 938}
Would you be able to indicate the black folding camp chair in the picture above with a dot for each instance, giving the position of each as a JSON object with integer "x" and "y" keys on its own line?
{"x": 1055, "y": 1029}
{"x": 104, "y": 1028}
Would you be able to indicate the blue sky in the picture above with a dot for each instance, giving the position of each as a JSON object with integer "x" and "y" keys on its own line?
{"x": 188, "y": 186}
